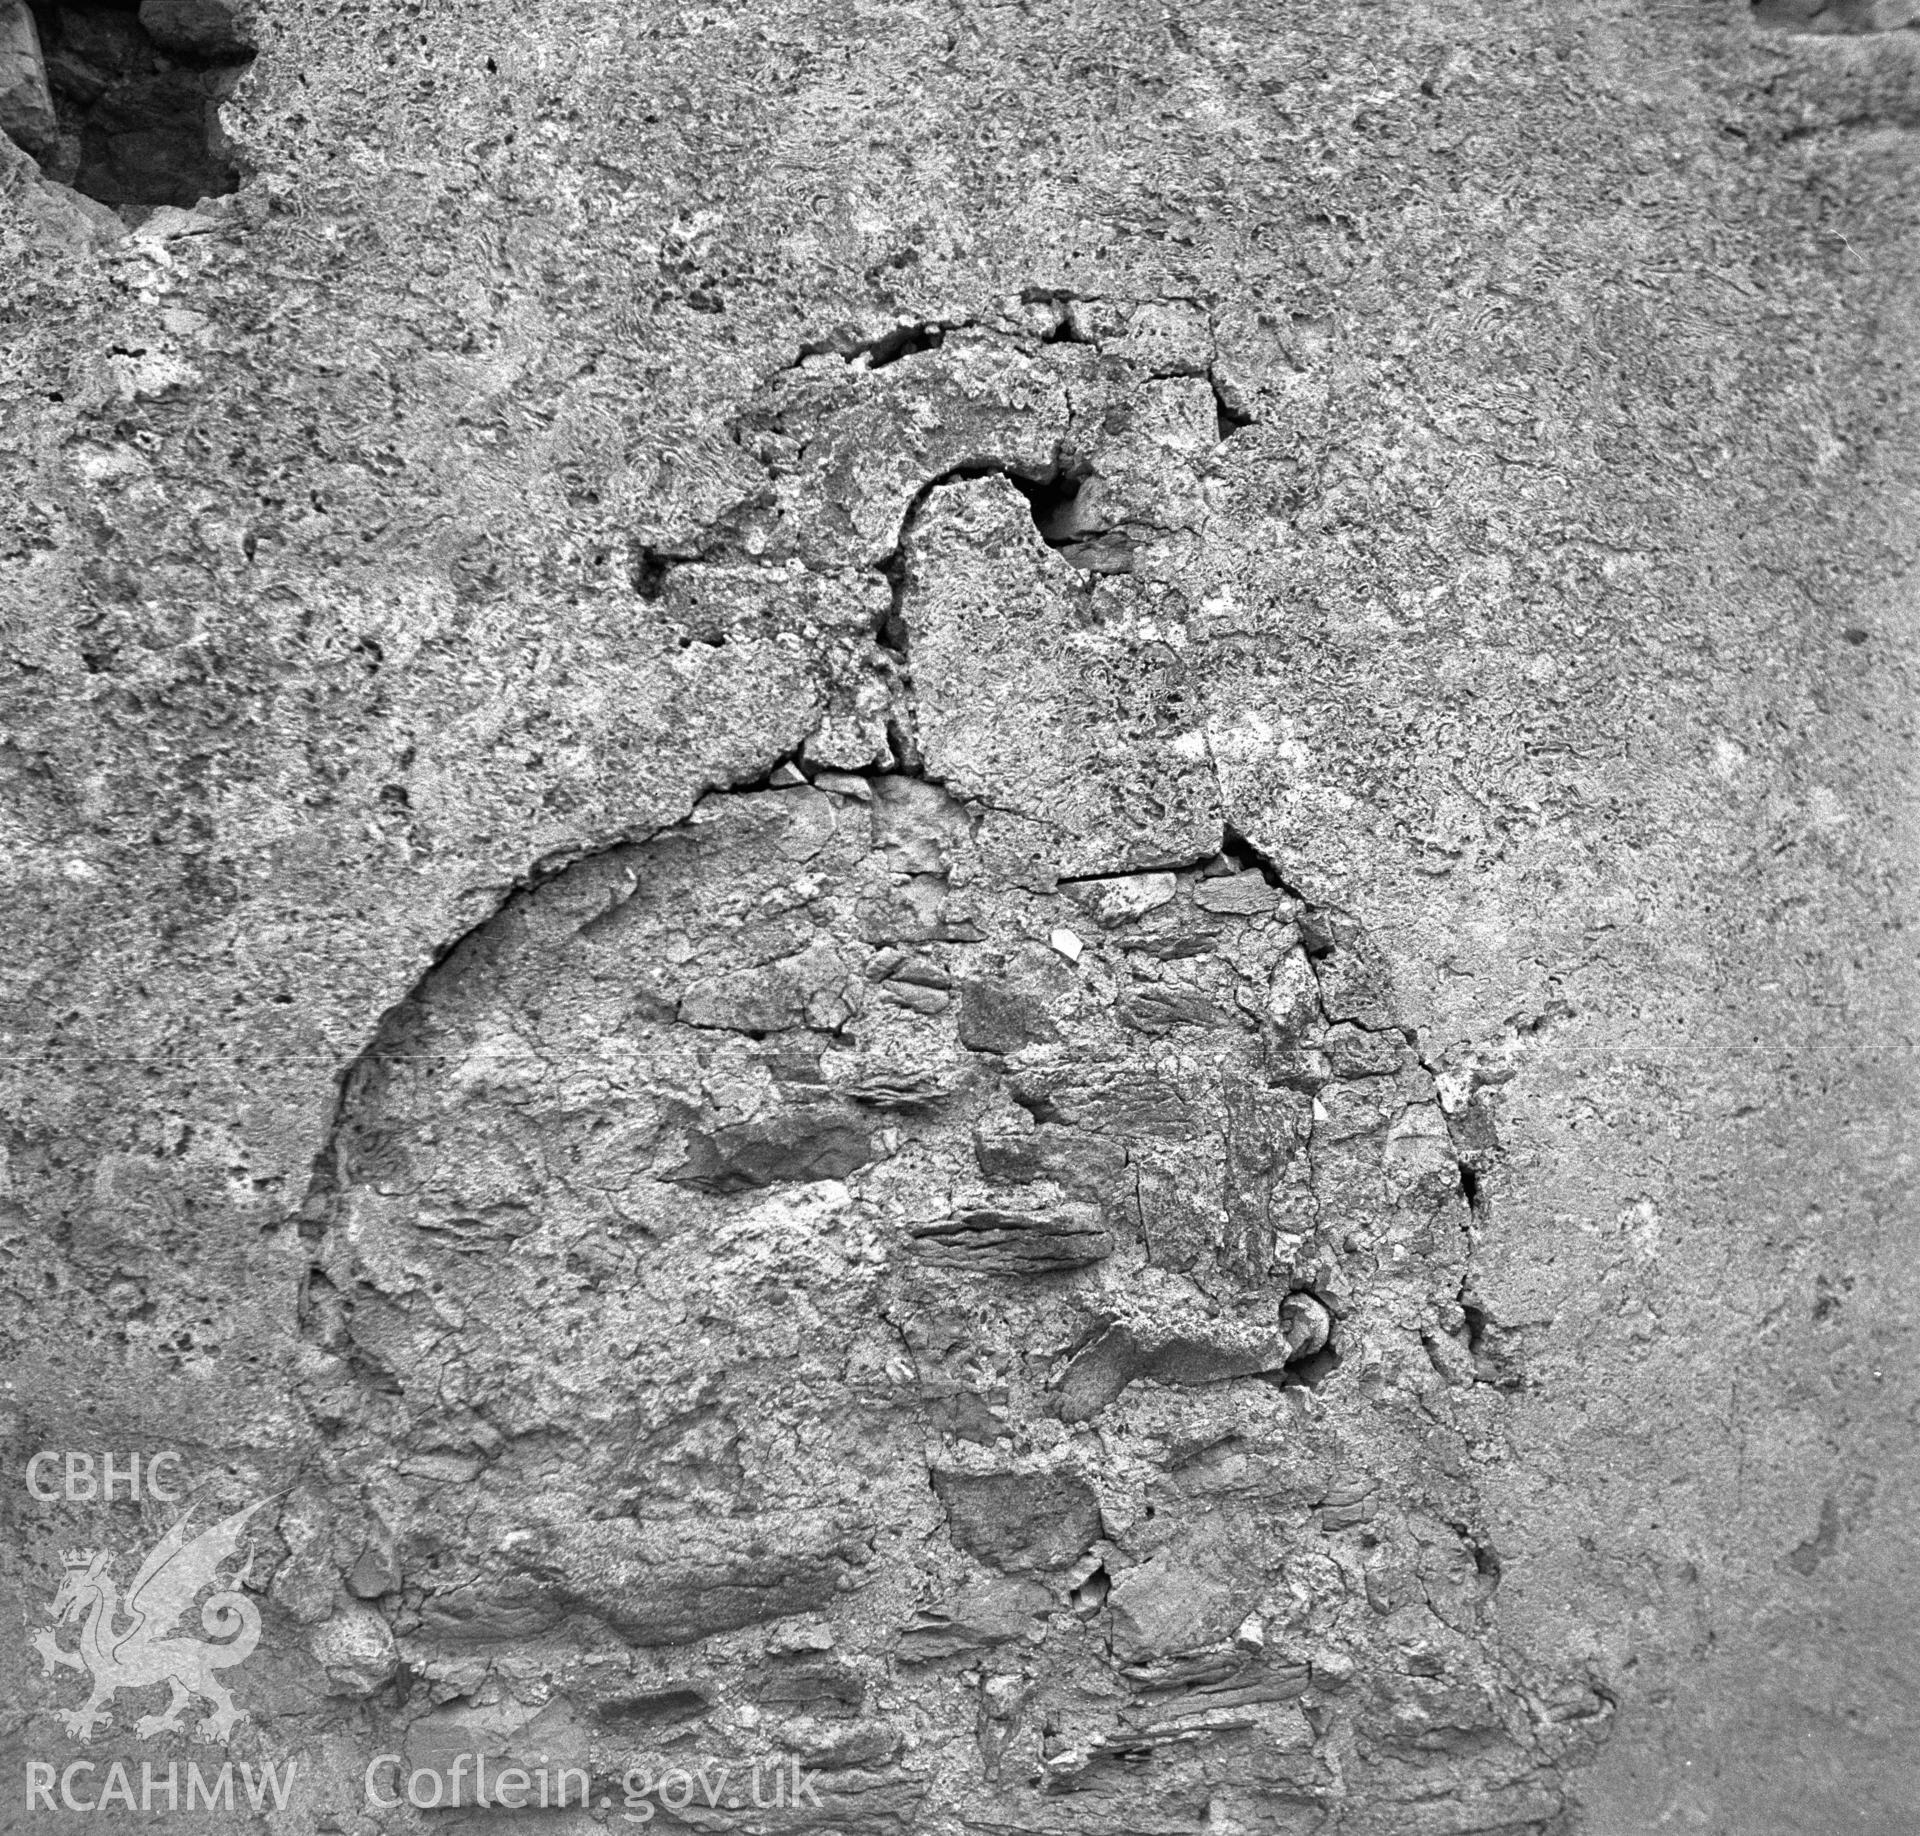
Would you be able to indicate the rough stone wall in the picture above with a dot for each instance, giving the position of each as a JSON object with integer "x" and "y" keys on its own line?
{"x": 955, "y": 1271}
{"x": 1014, "y": 896}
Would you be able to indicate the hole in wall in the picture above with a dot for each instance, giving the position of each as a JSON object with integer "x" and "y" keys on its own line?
{"x": 1311, "y": 1369}
{"x": 907, "y": 341}
{"x": 1227, "y": 422}
{"x": 1055, "y": 503}
{"x": 1067, "y": 510}
{"x": 120, "y": 98}
{"x": 1229, "y": 415}
{"x": 1310, "y": 1325}
{"x": 647, "y": 573}
{"x": 1090, "y": 1596}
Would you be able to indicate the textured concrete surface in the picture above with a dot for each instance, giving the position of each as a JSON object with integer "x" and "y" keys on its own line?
{"x": 1018, "y": 898}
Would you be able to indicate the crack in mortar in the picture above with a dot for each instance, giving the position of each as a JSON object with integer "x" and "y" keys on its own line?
{"x": 650, "y": 574}
{"x": 322, "y": 1179}
{"x": 1324, "y": 930}
{"x": 1317, "y": 924}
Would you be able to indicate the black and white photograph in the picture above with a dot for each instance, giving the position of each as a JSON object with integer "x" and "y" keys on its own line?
{"x": 960, "y": 917}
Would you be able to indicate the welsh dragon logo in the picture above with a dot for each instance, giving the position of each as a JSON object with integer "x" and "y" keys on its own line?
{"x": 146, "y": 1651}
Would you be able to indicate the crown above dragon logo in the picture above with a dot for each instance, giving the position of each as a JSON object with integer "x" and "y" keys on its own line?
{"x": 79, "y": 1558}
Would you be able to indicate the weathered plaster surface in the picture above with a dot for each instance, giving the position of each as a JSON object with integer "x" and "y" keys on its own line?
{"x": 1448, "y": 468}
